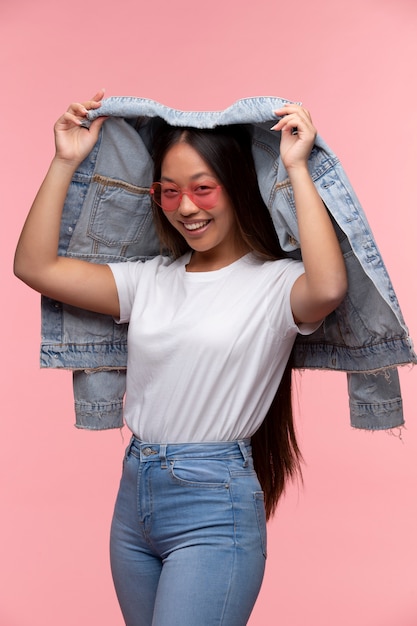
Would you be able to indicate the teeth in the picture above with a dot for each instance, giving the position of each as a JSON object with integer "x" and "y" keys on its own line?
{"x": 196, "y": 225}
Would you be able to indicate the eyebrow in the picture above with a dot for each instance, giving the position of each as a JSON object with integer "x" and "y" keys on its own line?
{"x": 194, "y": 177}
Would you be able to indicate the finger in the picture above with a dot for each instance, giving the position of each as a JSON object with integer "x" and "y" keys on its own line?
{"x": 95, "y": 101}
{"x": 69, "y": 119}
{"x": 75, "y": 114}
{"x": 298, "y": 119}
{"x": 99, "y": 95}
{"x": 76, "y": 108}
{"x": 293, "y": 109}
{"x": 288, "y": 122}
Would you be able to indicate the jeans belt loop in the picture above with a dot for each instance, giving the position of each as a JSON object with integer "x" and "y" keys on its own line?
{"x": 244, "y": 452}
{"x": 163, "y": 455}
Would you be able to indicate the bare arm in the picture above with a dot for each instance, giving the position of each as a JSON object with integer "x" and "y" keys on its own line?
{"x": 37, "y": 263}
{"x": 323, "y": 286}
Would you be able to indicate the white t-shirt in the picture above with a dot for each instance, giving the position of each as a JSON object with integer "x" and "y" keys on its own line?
{"x": 206, "y": 350}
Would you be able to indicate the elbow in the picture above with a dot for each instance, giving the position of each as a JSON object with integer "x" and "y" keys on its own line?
{"x": 312, "y": 302}
{"x": 18, "y": 271}
{"x": 335, "y": 294}
{"x": 24, "y": 272}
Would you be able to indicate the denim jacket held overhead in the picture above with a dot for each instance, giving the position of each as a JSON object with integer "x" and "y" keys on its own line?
{"x": 107, "y": 218}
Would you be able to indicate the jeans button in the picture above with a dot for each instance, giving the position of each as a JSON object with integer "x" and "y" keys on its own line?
{"x": 148, "y": 451}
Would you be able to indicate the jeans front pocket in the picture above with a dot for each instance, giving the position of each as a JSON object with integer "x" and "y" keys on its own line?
{"x": 209, "y": 474}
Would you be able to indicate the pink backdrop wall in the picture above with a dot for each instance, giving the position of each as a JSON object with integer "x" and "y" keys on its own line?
{"x": 342, "y": 549}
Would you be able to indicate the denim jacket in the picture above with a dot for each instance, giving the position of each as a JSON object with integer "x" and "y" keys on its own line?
{"x": 107, "y": 218}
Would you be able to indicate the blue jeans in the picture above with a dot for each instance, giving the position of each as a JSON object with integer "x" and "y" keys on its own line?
{"x": 188, "y": 537}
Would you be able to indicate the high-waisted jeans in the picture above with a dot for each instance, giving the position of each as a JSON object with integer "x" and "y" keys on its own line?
{"x": 188, "y": 537}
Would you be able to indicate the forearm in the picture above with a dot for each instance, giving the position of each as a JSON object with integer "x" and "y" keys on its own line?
{"x": 37, "y": 249}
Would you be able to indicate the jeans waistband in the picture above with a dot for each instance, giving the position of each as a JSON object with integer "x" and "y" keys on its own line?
{"x": 205, "y": 450}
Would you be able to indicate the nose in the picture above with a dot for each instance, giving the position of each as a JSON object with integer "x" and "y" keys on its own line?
{"x": 187, "y": 206}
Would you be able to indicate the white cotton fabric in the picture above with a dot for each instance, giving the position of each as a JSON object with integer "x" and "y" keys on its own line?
{"x": 206, "y": 350}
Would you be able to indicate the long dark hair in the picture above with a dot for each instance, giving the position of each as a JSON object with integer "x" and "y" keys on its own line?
{"x": 228, "y": 152}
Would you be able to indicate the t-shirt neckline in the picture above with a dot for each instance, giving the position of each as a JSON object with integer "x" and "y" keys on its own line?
{"x": 212, "y": 274}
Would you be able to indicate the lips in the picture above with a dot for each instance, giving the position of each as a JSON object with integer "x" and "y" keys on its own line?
{"x": 195, "y": 225}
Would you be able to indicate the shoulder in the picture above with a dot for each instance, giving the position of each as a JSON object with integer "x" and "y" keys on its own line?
{"x": 137, "y": 268}
{"x": 276, "y": 270}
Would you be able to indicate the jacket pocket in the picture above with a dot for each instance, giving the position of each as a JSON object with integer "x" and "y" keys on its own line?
{"x": 121, "y": 212}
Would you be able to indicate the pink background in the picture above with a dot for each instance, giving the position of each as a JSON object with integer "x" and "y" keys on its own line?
{"x": 343, "y": 548}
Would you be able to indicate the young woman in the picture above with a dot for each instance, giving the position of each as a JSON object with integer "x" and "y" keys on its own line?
{"x": 211, "y": 328}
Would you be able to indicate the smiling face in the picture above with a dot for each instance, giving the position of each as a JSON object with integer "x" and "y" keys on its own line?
{"x": 212, "y": 234}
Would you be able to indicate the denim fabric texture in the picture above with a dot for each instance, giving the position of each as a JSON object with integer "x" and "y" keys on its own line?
{"x": 107, "y": 218}
{"x": 188, "y": 537}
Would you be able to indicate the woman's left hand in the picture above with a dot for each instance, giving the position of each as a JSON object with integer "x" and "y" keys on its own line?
{"x": 297, "y": 135}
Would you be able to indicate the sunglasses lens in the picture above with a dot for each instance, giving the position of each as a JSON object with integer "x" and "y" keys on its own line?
{"x": 156, "y": 192}
{"x": 168, "y": 195}
{"x": 206, "y": 194}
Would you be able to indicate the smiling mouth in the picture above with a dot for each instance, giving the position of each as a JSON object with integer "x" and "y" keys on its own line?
{"x": 196, "y": 225}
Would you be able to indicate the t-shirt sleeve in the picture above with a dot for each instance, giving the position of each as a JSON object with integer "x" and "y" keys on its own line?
{"x": 280, "y": 299}
{"x": 134, "y": 278}
{"x": 126, "y": 276}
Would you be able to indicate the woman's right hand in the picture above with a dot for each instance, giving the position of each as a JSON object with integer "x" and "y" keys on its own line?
{"x": 73, "y": 141}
